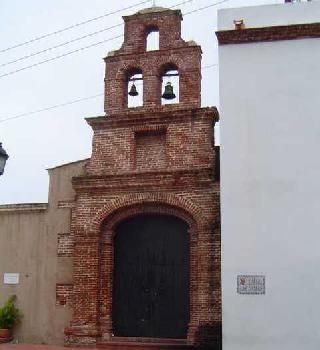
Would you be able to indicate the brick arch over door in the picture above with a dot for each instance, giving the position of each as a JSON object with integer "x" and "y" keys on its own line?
{"x": 193, "y": 210}
{"x": 106, "y": 264}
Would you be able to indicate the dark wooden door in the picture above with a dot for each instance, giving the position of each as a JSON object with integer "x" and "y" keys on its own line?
{"x": 151, "y": 277}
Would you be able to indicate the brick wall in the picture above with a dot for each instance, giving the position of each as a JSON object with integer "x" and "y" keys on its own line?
{"x": 191, "y": 196}
{"x": 136, "y": 30}
{"x": 150, "y": 151}
{"x": 64, "y": 294}
{"x": 151, "y": 159}
{"x": 65, "y": 245}
{"x": 188, "y": 134}
{"x": 186, "y": 56}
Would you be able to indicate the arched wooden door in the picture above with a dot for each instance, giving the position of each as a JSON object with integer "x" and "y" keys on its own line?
{"x": 151, "y": 277}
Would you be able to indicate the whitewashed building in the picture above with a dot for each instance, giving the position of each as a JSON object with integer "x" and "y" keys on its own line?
{"x": 270, "y": 176}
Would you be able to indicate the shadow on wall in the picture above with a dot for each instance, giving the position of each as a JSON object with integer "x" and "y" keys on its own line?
{"x": 209, "y": 337}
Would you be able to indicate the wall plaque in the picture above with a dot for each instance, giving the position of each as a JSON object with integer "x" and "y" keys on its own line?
{"x": 11, "y": 278}
{"x": 251, "y": 284}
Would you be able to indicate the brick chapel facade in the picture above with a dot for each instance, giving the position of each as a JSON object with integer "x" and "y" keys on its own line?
{"x": 153, "y": 160}
{"x": 126, "y": 253}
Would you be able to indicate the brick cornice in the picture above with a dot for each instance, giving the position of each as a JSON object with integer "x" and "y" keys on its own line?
{"x": 153, "y": 181}
{"x": 151, "y": 116}
{"x": 272, "y": 33}
{"x": 119, "y": 56}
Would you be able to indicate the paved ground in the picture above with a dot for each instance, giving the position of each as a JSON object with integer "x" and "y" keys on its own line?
{"x": 32, "y": 347}
{"x": 115, "y": 346}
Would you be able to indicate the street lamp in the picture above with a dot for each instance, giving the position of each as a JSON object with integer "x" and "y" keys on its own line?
{"x": 3, "y": 158}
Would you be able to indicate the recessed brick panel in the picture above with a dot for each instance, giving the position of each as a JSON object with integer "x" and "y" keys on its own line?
{"x": 150, "y": 150}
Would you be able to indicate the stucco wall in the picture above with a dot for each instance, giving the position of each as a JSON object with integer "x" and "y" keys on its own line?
{"x": 269, "y": 98}
{"x": 270, "y": 15}
{"x": 28, "y": 246}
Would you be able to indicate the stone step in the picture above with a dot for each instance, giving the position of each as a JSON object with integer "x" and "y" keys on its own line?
{"x": 120, "y": 343}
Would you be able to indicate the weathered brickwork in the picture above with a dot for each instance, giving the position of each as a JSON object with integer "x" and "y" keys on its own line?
{"x": 151, "y": 159}
{"x": 150, "y": 151}
{"x": 188, "y": 135}
{"x": 173, "y": 51}
{"x": 64, "y": 294}
{"x": 65, "y": 245}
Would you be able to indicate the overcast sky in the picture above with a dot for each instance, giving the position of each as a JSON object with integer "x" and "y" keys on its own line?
{"x": 47, "y": 139}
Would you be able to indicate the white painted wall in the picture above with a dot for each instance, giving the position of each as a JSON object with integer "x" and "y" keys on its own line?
{"x": 271, "y": 15}
{"x": 270, "y": 182}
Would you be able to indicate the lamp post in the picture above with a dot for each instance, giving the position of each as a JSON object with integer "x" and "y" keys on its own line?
{"x": 3, "y": 158}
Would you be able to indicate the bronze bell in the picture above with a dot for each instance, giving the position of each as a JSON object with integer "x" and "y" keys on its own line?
{"x": 133, "y": 91}
{"x": 168, "y": 92}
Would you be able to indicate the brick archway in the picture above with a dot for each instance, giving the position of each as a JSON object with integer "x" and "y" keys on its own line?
{"x": 106, "y": 265}
{"x": 93, "y": 259}
{"x": 131, "y": 200}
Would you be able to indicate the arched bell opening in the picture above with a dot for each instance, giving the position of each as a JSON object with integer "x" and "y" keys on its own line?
{"x": 151, "y": 277}
{"x": 170, "y": 84}
{"x": 134, "y": 84}
{"x": 152, "y": 38}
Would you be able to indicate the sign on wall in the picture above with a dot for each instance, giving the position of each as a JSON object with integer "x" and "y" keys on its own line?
{"x": 11, "y": 278}
{"x": 251, "y": 284}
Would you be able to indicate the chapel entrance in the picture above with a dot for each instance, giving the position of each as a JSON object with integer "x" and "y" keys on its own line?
{"x": 151, "y": 277}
